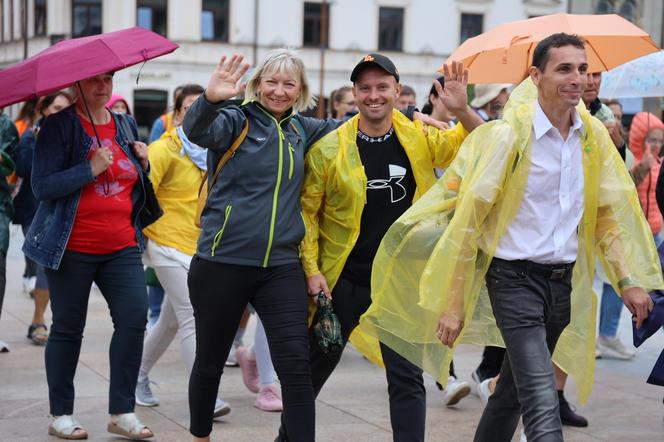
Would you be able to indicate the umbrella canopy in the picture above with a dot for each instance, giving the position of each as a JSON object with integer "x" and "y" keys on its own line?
{"x": 504, "y": 54}
{"x": 69, "y": 61}
{"x": 638, "y": 78}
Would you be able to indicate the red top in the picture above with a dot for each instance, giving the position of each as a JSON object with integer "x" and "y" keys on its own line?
{"x": 103, "y": 221}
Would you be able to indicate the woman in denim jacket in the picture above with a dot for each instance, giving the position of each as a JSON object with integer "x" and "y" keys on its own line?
{"x": 86, "y": 230}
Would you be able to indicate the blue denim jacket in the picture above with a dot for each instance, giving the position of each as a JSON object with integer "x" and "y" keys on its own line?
{"x": 60, "y": 170}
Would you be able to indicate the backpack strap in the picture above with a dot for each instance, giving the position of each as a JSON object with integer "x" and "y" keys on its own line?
{"x": 230, "y": 153}
{"x": 297, "y": 125}
{"x": 124, "y": 123}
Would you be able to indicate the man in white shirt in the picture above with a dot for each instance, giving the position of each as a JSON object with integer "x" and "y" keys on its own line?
{"x": 529, "y": 279}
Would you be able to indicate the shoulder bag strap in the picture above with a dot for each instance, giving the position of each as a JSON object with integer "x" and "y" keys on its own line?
{"x": 230, "y": 152}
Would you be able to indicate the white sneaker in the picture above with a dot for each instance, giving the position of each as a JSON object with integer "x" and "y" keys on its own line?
{"x": 221, "y": 408}
{"x": 144, "y": 395}
{"x": 455, "y": 390}
{"x": 483, "y": 390}
{"x": 29, "y": 284}
{"x": 613, "y": 348}
{"x": 476, "y": 382}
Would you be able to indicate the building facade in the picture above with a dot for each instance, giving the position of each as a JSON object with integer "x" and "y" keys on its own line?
{"x": 646, "y": 14}
{"x": 332, "y": 35}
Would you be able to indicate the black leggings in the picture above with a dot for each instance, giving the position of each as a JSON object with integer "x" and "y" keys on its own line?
{"x": 219, "y": 294}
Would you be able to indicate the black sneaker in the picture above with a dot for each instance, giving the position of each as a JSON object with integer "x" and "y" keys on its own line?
{"x": 568, "y": 415}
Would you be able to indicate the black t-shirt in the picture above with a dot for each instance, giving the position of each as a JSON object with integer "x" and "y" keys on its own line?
{"x": 390, "y": 191}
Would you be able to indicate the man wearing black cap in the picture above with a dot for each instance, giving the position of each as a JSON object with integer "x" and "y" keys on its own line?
{"x": 358, "y": 180}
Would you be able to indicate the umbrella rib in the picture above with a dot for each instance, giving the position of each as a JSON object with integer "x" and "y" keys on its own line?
{"x": 606, "y": 68}
{"x": 470, "y": 62}
{"x": 528, "y": 57}
{"x": 122, "y": 64}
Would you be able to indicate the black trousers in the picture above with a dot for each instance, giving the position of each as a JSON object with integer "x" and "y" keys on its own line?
{"x": 3, "y": 278}
{"x": 219, "y": 294}
{"x": 492, "y": 361}
{"x": 405, "y": 382}
{"x": 531, "y": 303}
{"x": 30, "y": 265}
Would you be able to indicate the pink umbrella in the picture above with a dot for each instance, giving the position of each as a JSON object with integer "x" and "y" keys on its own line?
{"x": 69, "y": 61}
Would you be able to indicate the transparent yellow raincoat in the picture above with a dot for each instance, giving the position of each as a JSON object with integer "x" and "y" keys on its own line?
{"x": 334, "y": 194}
{"x": 434, "y": 258}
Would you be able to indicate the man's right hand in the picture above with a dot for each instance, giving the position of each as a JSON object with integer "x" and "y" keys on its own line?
{"x": 449, "y": 328}
{"x": 223, "y": 83}
{"x": 317, "y": 284}
{"x": 638, "y": 302}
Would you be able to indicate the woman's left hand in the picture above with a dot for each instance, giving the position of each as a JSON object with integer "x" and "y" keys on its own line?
{"x": 428, "y": 121}
{"x": 141, "y": 152}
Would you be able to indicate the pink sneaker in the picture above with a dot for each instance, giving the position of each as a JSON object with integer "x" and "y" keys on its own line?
{"x": 247, "y": 363}
{"x": 269, "y": 399}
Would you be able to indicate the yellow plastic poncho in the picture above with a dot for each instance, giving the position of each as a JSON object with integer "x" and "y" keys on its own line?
{"x": 334, "y": 194}
{"x": 434, "y": 258}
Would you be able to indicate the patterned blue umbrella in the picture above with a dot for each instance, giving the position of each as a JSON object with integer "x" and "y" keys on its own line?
{"x": 641, "y": 77}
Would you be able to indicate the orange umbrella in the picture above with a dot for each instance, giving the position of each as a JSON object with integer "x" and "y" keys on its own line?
{"x": 504, "y": 54}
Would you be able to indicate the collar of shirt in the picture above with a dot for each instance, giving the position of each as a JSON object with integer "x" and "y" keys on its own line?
{"x": 542, "y": 124}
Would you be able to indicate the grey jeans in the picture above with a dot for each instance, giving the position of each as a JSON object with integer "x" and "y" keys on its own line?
{"x": 531, "y": 304}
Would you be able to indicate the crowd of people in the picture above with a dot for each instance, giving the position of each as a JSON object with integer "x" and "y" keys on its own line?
{"x": 487, "y": 221}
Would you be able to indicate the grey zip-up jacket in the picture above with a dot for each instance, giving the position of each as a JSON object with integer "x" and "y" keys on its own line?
{"x": 253, "y": 216}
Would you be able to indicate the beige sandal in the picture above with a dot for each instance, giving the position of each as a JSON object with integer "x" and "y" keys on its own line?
{"x": 129, "y": 426}
{"x": 65, "y": 427}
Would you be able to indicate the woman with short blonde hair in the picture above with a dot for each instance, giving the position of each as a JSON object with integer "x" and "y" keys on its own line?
{"x": 251, "y": 228}
{"x": 285, "y": 61}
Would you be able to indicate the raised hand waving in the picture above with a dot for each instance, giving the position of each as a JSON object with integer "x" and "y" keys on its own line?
{"x": 223, "y": 83}
{"x": 454, "y": 95}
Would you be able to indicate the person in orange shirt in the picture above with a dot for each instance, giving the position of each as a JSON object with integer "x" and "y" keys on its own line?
{"x": 27, "y": 116}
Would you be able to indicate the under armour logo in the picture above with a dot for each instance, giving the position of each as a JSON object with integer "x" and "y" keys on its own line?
{"x": 397, "y": 191}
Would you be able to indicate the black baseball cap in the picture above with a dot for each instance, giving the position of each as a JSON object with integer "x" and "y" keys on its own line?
{"x": 375, "y": 60}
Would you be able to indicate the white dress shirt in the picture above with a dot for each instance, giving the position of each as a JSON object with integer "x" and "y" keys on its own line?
{"x": 545, "y": 227}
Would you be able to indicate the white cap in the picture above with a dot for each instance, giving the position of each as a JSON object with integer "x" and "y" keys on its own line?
{"x": 487, "y": 92}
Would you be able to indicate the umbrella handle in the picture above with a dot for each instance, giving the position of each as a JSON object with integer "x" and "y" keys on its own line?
{"x": 144, "y": 53}
{"x": 105, "y": 184}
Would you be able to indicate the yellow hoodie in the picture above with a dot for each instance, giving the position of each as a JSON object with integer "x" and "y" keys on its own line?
{"x": 434, "y": 258}
{"x": 176, "y": 180}
{"x": 334, "y": 193}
